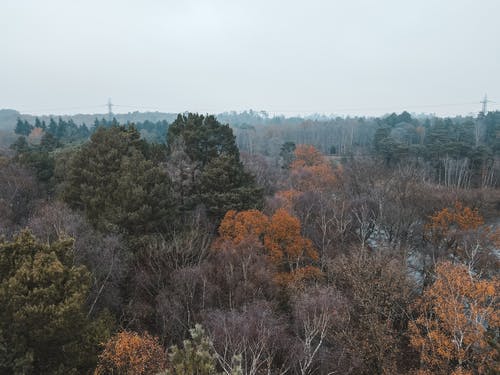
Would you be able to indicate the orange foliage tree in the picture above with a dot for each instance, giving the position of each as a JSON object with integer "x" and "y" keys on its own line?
{"x": 35, "y": 135}
{"x": 442, "y": 224}
{"x": 285, "y": 243}
{"x": 129, "y": 353}
{"x": 311, "y": 171}
{"x": 281, "y": 238}
{"x": 244, "y": 225}
{"x": 307, "y": 156}
{"x": 455, "y": 323}
{"x": 460, "y": 231}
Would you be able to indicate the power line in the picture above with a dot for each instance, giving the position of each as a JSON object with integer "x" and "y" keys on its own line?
{"x": 138, "y": 107}
{"x": 61, "y": 108}
{"x": 309, "y": 110}
{"x": 274, "y": 110}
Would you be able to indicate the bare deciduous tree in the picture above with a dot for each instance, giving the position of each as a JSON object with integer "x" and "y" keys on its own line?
{"x": 313, "y": 312}
{"x": 253, "y": 333}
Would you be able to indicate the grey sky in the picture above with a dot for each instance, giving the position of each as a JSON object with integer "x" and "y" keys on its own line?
{"x": 351, "y": 56}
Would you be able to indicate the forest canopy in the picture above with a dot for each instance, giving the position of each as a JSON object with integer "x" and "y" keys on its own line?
{"x": 250, "y": 244}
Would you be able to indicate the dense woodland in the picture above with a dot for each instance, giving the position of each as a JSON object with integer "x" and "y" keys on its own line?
{"x": 268, "y": 246}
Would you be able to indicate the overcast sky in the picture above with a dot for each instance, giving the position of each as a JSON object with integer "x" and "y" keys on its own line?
{"x": 288, "y": 56}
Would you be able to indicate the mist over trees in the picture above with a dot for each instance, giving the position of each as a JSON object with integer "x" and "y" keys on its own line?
{"x": 248, "y": 244}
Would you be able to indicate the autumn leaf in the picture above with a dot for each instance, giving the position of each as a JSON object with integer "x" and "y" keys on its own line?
{"x": 456, "y": 316}
{"x": 291, "y": 253}
{"x": 131, "y": 353}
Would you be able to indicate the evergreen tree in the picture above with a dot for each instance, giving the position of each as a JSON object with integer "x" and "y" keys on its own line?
{"x": 204, "y": 137}
{"x": 36, "y": 158}
{"x": 44, "y": 328}
{"x": 393, "y": 119}
{"x": 112, "y": 181}
{"x": 41, "y": 162}
{"x": 61, "y": 128}
{"x": 492, "y": 121}
{"x": 52, "y": 128}
{"x": 196, "y": 357}
{"x": 49, "y": 142}
{"x": 382, "y": 133}
{"x": 222, "y": 184}
{"x": 287, "y": 154}
{"x": 20, "y": 146}
{"x": 84, "y": 131}
{"x": 23, "y": 127}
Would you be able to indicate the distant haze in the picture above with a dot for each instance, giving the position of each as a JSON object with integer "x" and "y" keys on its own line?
{"x": 289, "y": 57}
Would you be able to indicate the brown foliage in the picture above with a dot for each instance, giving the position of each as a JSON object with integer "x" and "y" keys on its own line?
{"x": 285, "y": 243}
{"x": 281, "y": 238}
{"x": 129, "y": 353}
{"x": 371, "y": 334}
{"x": 456, "y": 316}
{"x": 460, "y": 232}
{"x": 35, "y": 135}
{"x": 459, "y": 217}
{"x": 307, "y": 156}
{"x": 313, "y": 196}
{"x": 239, "y": 226}
{"x": 311, "y": 171}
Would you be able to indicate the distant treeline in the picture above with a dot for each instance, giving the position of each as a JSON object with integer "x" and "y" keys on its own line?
{"x": 67, "y": 131}
{"x": 453, "y": 151}
{"x": 257, "y": 132}
{"x": 459, "y": 151}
